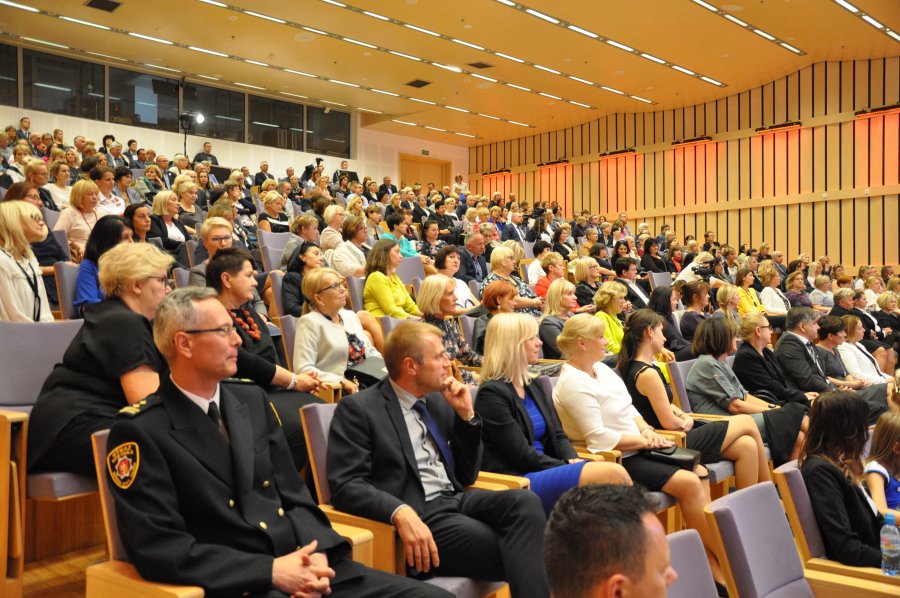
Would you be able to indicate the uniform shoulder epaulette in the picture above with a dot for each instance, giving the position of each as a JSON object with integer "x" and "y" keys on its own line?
{"x": 141, "y": 406}
{"x": 238, "y": 381}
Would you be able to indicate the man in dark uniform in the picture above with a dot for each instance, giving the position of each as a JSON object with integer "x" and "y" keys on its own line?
{"x": 205, "y": 489}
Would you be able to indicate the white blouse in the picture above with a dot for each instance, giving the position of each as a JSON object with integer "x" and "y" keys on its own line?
{"x": 112, "y": 204}
{"x": 860, "y": 363}
{"x": 773, "y": 301}
{"x": 18, "y": 281}
{"x": 60, "y": 196}
{"x": 174, "y": 232}
{"x": 597, "y": 410}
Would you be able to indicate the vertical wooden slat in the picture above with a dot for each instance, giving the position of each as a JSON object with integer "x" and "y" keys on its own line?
{"x": 833, "y": 88}
{"x": 891, "y": 215}
{"x": 861, "y": 213}
{"x": 891, "y": 80}
{"x": 861, "y": 85}
{"x": 631, "y": 201}
{"x": 756, "y": 167}
{"x": 780, "y": 164}
{"x": 876, "y": 230}
{"x": 891, "y": 146}
{"x": 861, "y": 153}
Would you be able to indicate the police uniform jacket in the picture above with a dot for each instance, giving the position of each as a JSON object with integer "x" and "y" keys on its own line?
{"x": 194, "y": 508}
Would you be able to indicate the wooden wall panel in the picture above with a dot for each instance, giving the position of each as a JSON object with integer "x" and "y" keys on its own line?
{"x": 830, "y": 187}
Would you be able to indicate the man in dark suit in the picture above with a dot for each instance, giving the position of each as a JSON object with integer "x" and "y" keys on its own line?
{"x": 263, "y": 174}
{"x": 37, "y": 174}
{"x": 387, "y": 187}
{"x": 167, "y": 177}
{"x": 402, "y": 452}
{"x": 626, "y": 273}
{"x": 447, "y": 229}
{"x": 205, "y": 488}
{"x": 514, "y": 229}
{"x": 795, "y": 352}
{"x": 472, "y": 265}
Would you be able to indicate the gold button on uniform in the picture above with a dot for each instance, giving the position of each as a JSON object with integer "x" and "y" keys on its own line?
{"x": 281, "y": 512}
{"x": 231, "y": 503}
{"x": 263, "y": 525}
{"x": 265, "y": 484}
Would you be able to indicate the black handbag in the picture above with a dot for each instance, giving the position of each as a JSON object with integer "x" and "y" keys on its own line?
{"x": 369, "y": 372}
{"x": 684, "y": 458}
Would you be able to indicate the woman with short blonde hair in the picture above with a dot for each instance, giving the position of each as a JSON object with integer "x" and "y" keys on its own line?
{"x": 111, "y": 363}
{"x": 560, "y": 304}
{"x": 330, "y": 237}
{"x": 522, "y": 434}
{"x": 502, "y": 267}
{"x": 273, "y": 219}
{"x": 610, "y": 302}
{"x": 23, "y": 296}
{"x": 437, "y": 301}
{"x": 79, "y": 219}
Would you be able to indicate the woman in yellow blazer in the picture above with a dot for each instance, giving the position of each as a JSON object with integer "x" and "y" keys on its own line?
{"x": 610, "y": 302}
{"x": 384, "y": 293}
{"x": 749, "y": 300}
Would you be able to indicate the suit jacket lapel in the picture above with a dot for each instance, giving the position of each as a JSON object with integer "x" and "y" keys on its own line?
{"x": 395, "y": 414}
{"x": 237, "y": 421}
{"x": 196, "y": 432}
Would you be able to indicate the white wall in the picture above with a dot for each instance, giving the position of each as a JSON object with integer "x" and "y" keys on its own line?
{"x": 374, "y": 154}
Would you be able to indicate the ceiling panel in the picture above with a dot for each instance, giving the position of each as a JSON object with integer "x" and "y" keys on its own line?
{"x": 678, "y": 31}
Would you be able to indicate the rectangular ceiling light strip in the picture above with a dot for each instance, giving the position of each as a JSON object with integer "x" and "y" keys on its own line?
{"x": 403, "y": 54}
{"x": 869, "y": 19}
{"x": 603, "y": 39}
{"x": 751, "y": 28}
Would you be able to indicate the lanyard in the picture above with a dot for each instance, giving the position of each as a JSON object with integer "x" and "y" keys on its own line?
{"x": 33, "y": 285}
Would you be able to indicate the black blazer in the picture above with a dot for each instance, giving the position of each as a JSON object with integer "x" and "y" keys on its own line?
{"x": 382, "y": 189}
{"x": 466, "y": 270}
{"x": 47, "y": 199}
{"x": 653, "y": 264}
{"x": 797, "y": 364}
{"x": 371, "y": 463}
{"x": 849, "y": 528}
{"x": 509, "y": 433}
{"x": 261, "y": 177}
{"x": 158, "y": 229}
{"x": 192, "y": 512}
{"x": 634, "y": 298}
{"x": 762, "y": 372}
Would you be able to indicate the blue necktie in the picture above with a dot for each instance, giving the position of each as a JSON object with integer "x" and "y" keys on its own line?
{"x": 436, "y": 436}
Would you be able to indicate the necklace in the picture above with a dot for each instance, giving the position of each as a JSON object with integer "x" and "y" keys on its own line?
{"x": 246, "y": 322}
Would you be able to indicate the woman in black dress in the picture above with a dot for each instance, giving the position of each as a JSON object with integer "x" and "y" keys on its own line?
{"x": 736, "y": 438}
{"x": 695, "y": 296}
{"x": 650, "y": 261}
{"x": 230, "y": 274}
{"x": 663, "y": 301}
{"x": 111, "y": 363}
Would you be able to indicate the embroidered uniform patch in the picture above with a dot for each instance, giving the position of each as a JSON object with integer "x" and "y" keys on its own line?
{"x": 123, "y": 462}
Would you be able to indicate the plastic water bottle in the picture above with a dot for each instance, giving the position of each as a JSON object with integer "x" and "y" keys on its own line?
{"x": 890, "y": 546}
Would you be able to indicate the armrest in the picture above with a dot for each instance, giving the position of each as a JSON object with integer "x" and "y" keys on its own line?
{"x": 853, "y": 573}
{"x": 551, "y": 360}
{"x": 14, "y": 416}
{"x": 329, "y": 392}
{"x": 709, "y": 416}
{"x": 832, "y": 585}
{"x": 362, "y": 541}
{"x": 114, "y": 579}
{"x": 613, "y": 456}
{"x": 384, "y": 554}
{"x": 513, "y": 482}
{"x": 679, "y": 438}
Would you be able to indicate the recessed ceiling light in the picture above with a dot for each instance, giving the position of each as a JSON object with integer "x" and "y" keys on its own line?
{"x": 150, "y": 38}
{"x": 249, "y": 86}
{"x": 764, "y": 34}
{"x": 88, "y": 23}
{"x": 488, "y": 116}
{"x": 214, "y": 3}
{"x": 334, "y": 103}
{"x": 847, "y": 5}
{"x": 872, "y": 22}
{"x": 359, "y": 43}
{"x": 580, "y": 80}
{"x": 46, "y": 43}
{"x": 422, "y": 30}
{"x": 387, "y": 93}
{"x": 713, "y": 81}
{"x": 339, "y": 82}
{"x": 610, "y": 89}
{"x": 461, "y": 42}
{"x": 376, "y": 15}
{"x": 19, "y": 6}
{"x": 205, "y": 51}
{"x": 212, "y": 78}
{"x": 457, "y": 109}
{"x": 620, "y": 46}
{"x": 266, "y": 17}
{"x": 682, "y": 69}
{"x": 734, "y": 19}
{"x": 256, "y": 62}
{"x": 590, "y": 34}
{"x": 579, "y": 104}
{"x": 310, "y": 29}
{"x": 402, "y": 55}
{"x": 165, "y": 68}
{"x": 514, "y": 122}
{"x": 372, "y": 111}
{"x": 448, "y": 67}
{"x": 436, "y": 129}
{"x": 508, "y": 57}
{"x": 640, "y": 99}
{"x": 483, "y": 77}
{"x": 336, "y": 3}
{"x": 105, "y": 56}
{"x": 706, "y": 6}
{"x": 547, "y": 68}
{"x": 541, "y": 15}
{"x": 301, "y": 73}
{"x": 403, "y": 122}
{"x": 518, "y": 87}
{"x": 551, "y": 96}
{"x": 421, "y": 101}
{"x": 653, "y": 58}
{"x": 465, "y": 135}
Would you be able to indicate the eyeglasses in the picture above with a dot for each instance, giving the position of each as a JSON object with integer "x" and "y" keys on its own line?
{"x": 161, "y": 279}
{"x": 336, "y": 286}
{"x": 219, "y": 239}
{"x": 225, "y": 331}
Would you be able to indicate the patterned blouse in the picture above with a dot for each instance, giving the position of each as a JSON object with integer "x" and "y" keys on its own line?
{"x": 430, "y": 249}
{"x": 456, "y": 346}
{"x": 522, "y": 290}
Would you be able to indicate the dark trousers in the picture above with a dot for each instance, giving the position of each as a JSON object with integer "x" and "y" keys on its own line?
{"x": 493, "y": 536}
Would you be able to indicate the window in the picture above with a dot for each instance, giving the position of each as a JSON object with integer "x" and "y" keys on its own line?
{"x": 222, "y": 109}
{"x": 143, "y": 100}
{"x": 63, "y": 86}
{"x": 327, "y": 133}
{"x": 275, "y": 124}
{"x": 9, "y": 75}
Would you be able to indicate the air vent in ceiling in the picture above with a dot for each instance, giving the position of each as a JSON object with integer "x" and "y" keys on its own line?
{"x": 481, "y": 65}
{"x": 418, "y": 83}
{"x": 107, "y": 5}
